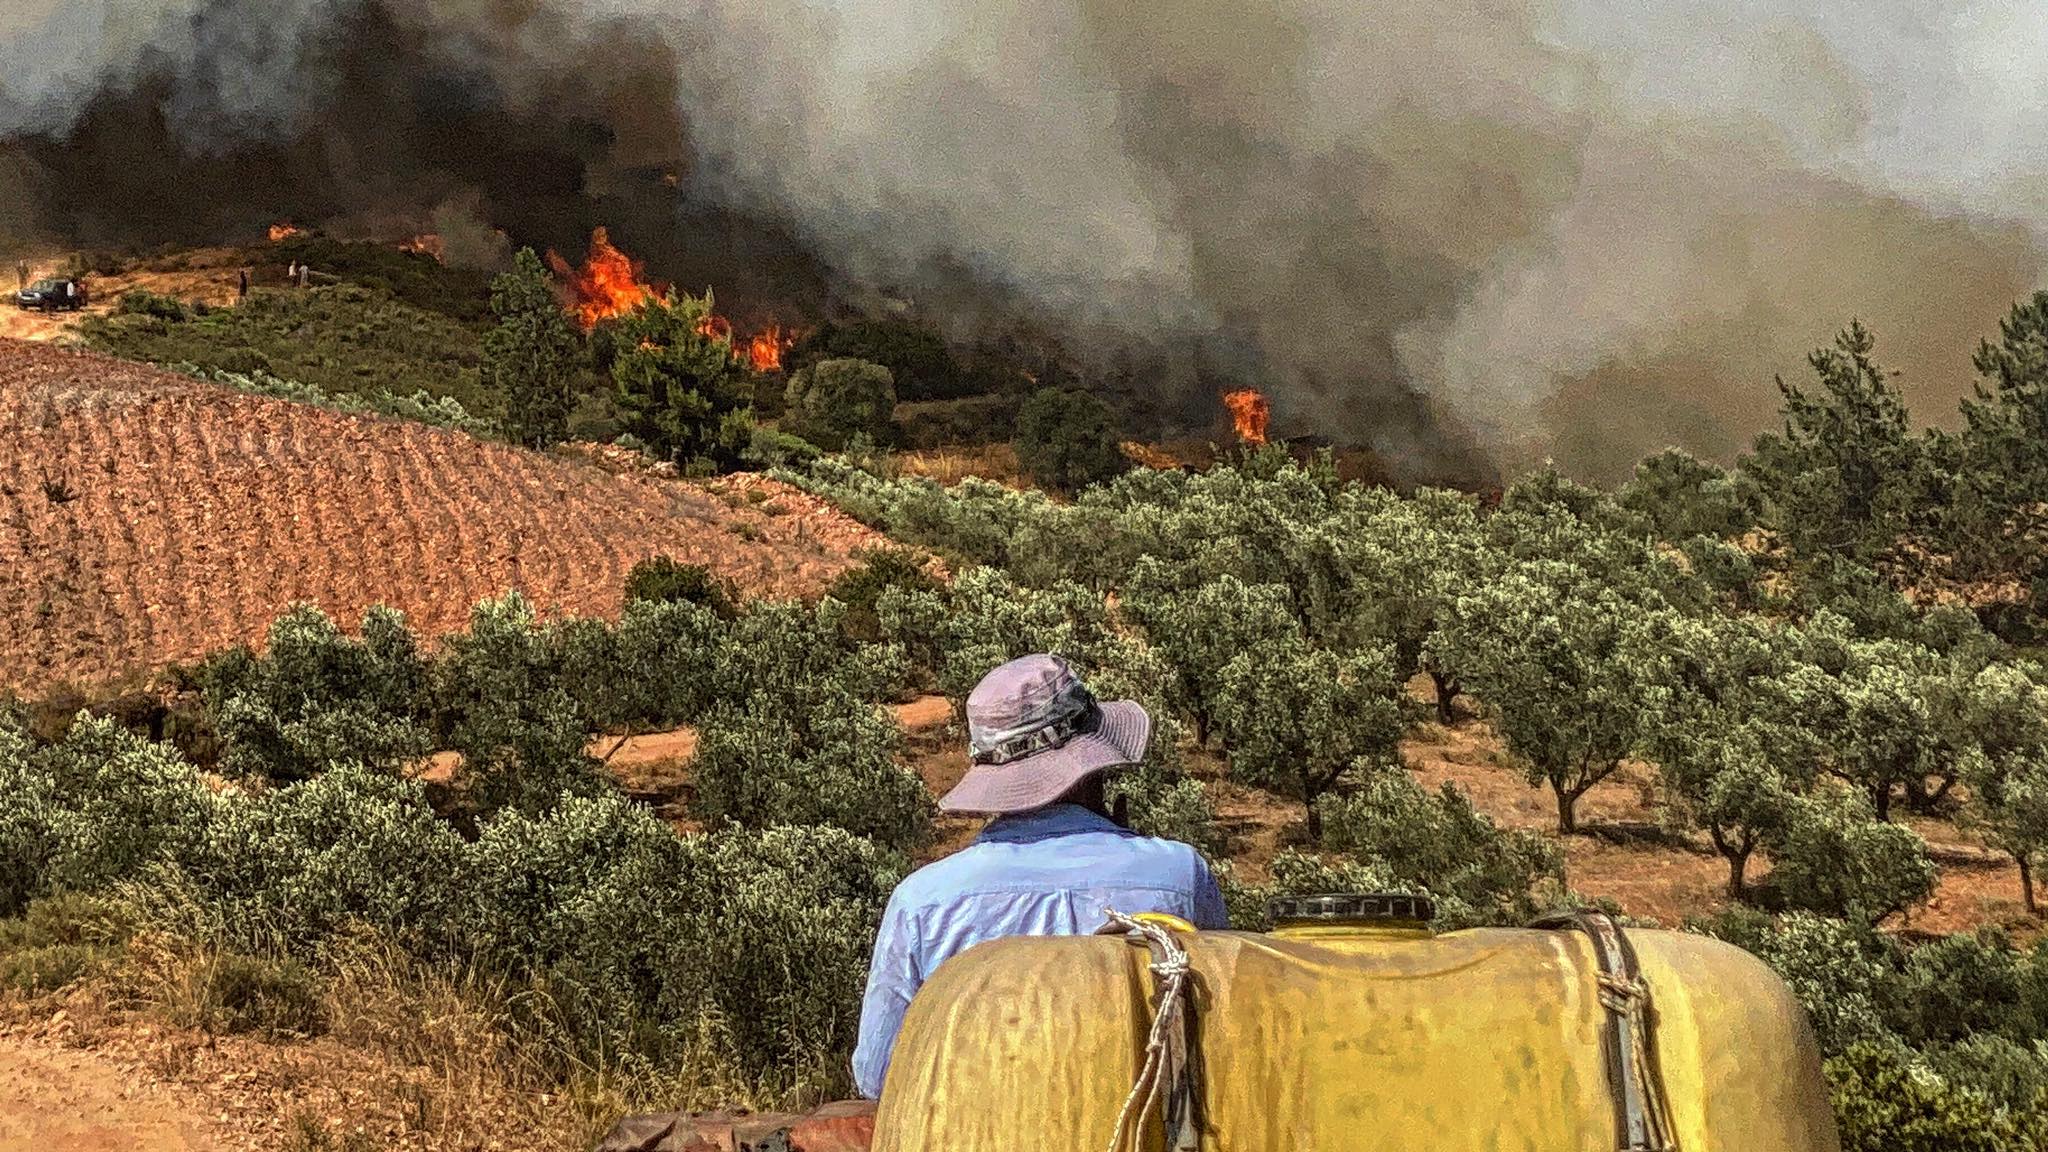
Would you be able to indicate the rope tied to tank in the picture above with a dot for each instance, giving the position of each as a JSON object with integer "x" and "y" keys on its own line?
{"x": 1643, "y": 1123}
{"x": 1166, "y": 1055}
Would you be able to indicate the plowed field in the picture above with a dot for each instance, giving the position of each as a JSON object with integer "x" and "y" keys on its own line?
{"x": 147, "y": 518}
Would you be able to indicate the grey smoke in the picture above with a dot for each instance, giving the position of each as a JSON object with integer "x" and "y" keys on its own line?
{"x": 1578, "y": 228}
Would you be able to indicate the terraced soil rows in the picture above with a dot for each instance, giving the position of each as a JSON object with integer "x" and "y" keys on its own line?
{"x": 146, "y": 518}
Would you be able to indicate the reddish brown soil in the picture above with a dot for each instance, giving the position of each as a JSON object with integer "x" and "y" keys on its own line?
{"x": 146, "y": 518}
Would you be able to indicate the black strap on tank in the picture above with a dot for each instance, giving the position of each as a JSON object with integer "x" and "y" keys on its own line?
{"x": 1627, "y": 1040}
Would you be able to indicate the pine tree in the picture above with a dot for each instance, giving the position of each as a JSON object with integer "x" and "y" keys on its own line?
{"x": 530, "y": 358}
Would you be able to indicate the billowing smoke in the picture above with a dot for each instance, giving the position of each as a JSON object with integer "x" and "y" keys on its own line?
{"x": 1577, "y": 228}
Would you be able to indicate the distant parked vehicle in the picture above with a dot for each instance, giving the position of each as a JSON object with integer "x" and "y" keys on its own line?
{"x": 52, "y": 296}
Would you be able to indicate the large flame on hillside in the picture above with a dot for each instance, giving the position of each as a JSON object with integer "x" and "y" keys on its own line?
{"x": 279, "y": 233}
{"x": 610, "y": 285}
{"x": 1249, "y": 413}
{"x": 607, "y": 286}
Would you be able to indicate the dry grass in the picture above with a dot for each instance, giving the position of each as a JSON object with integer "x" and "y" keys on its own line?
{"x": 951, "y": 465}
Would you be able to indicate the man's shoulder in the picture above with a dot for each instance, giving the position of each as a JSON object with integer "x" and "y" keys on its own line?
{"x": 991, "y": 865}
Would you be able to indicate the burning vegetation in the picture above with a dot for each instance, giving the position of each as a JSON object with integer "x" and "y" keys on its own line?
{"x": 279, "y": 233}
{"x": 606, "y": 287}
{"x": 1249, "y": 414}
{"x": 427, "y": 244}
{"x": 611, "y": 284}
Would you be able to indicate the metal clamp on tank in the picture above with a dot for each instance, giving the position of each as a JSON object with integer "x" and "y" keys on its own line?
{"x": 1394, "y": 909}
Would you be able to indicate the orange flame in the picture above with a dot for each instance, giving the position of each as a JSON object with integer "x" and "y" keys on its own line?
{"x": 282, "y": 232}
{"x": 427, "y": 244}
{"x": 1248, "y": 414}
{"x": 607, "y": 286}
{"x": 764, "y": 351}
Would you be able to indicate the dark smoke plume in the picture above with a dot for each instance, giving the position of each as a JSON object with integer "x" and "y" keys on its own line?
{"x": 1579, "y": 228}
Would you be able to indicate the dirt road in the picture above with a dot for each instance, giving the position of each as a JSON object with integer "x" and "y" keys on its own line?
{"x": 58, "y": 1099}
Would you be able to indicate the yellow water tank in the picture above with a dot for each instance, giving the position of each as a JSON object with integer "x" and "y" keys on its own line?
{"x": 1356, "y": 1037}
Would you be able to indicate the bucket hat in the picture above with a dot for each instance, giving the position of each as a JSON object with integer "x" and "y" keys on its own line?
{"x": 1034, "y": 731}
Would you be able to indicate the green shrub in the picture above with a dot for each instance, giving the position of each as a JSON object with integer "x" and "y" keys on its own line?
{"x": 1836, "y": 859}
{"x": 938, "y": 423}
{"x": 923, "y": 368}
{"x": 1846, "y": 975}
{"x": 1163, "y": 800}
{"x": 276, "y": 997}
{"x": 98, "y": 807}
{"x": 861, "y": 587}
{"x": 59, "y": 940}
{"x": 143, "y": 302}
{"x": 643, "y": 936}
{"x": 1068, "y": 440}
{"x": 1298, "y": 873}
{"x": 50, "y": 968}
{"x": 1439, "y": 844}
{"x": 2013, "y": 1076}
{"x": 828, "y": 760}
{"x": 1962, "y": 984}
{"x": 283, "y": 870}
{"x": 1885, "y": 1102}
{"x": 660, "y": 580}
{"x": 345, "y": 340}
{"x": 316, "y": 697}
{"x": 832, "y": 401}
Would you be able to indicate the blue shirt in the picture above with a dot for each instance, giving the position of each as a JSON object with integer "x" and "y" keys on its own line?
{"x": 1055, "y": 871}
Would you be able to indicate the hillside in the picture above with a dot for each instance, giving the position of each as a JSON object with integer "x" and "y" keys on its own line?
{"x": 147, "y": 518}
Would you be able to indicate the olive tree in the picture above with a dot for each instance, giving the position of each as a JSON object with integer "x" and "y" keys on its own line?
{"x": 2007, "y": 769}
{"x": 1727, "y": 767}
{"x": 317, "y": 697}
{"x": 1868, "y": 712}
{"x": 1835, "y": 858}
{"x": 1198, "y": 632}
{"x": 1479, "y": 872}
{"x": 1295, "y": 718}
{"x": 828, "y": 760}
{"x": 505, "y": 708}
{"x": 1553, "y": 661}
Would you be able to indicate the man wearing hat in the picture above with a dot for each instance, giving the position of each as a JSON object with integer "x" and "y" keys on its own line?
{"x": 1051, "y": 863}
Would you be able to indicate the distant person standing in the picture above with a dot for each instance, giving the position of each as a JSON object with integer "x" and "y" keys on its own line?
{"x": 242, "y": 286}
{"x": 21, "y": 274}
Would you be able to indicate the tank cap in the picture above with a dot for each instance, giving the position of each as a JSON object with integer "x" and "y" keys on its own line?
{"x": 1354, "y": 907}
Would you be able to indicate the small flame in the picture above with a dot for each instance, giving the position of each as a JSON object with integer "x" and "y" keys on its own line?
{"x": 765, "y": 349}
{"x": 427, "y": 244}
{"x": 1249, "y": 413}
{"x": 279, "y": 233}
{"x": 607, "y": 286}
